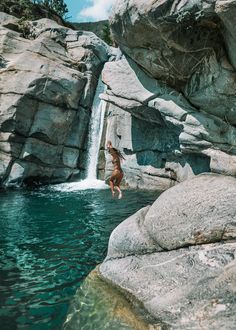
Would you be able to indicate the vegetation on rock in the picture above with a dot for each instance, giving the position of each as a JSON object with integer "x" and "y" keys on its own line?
{"x": 106, "y": 34}
{"x": 58, "y": 6}
{"x": 30, "y": 10}
{"x": 35, "y": 9}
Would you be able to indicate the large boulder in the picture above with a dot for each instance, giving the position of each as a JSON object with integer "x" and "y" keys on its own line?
{"x": 47, "y": 85}
{"x": 183, "y": 44}
{"x": 177, "y": 257}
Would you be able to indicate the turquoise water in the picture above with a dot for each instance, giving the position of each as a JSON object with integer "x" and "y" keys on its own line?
{"x": 49, "y": 242}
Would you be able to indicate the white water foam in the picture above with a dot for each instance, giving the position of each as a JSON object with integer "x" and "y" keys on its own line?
{"x": 94, "y": 140}
{"x": 81, "y": 185}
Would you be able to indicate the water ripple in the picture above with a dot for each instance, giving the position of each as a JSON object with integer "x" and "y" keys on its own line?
{"x": 49, "y": 242}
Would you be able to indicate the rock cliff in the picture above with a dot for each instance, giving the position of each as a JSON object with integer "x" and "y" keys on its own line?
{"x": 172, "y": 111}
{"x": 47, "y": 84}
{"x": 172, "y": 95}
{"x": 95, "y": 27}
{"x": 178, "y": 256}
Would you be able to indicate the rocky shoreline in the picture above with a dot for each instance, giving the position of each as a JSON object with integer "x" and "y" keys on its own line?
{"x": 177, "y": 257}
{"x": 109, "y": 307}
{"x": 168, "y": 266}
{"x": 171, "y": 110}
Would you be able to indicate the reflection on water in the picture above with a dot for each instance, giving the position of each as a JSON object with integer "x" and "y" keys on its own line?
{"x": 49, "y": 242}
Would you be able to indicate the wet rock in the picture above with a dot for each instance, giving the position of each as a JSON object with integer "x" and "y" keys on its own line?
{"x": 98, "y": 306}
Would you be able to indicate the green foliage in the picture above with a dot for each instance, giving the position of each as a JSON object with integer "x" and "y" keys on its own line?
{"x": 106, "y": 34}
{"x": 20, "y": 8}
{"x": 34, "y": 9}
{"x": 58, "y": 6}
{"x": 23, "y": 25}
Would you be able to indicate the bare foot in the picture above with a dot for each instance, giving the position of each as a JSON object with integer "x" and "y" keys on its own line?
{"x": 120, "y": 195}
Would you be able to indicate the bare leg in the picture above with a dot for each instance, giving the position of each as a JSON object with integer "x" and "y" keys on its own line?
{"x": 112, "y": 187}
{"x": 120, "y": 192}
{"x": 118, "y": 184}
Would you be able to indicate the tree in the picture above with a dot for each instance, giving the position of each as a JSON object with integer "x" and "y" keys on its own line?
{"x": 58, "y": 6}
{"x": 106, "y": 34}
{"x": 34, "y": 9}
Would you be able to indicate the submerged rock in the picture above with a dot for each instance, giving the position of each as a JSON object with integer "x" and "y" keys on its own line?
{"x": 177, "y": 256}
{"x": 99, "y": 306}
{"x": 47, "y": 87}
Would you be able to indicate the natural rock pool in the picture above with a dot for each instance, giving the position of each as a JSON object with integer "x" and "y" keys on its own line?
{"x": 49, "y": 242}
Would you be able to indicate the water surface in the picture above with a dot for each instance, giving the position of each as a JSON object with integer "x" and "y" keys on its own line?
{"x": 49, "y": 242}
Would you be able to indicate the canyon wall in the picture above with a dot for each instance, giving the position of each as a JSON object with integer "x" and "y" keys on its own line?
{"x": 172, "y": 111}
{"x": 172, "y": 94}
{"x": 48, "y": 77}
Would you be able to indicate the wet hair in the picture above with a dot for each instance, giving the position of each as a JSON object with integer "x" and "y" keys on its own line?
{"x": 118, "y": 153}
{"x": 115, "y": 151}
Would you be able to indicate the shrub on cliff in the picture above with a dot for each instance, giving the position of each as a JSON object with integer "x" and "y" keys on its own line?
{"x": 106, "y": 34}
{"x": 58, "y": 6}
{"x": 35, "y": 9}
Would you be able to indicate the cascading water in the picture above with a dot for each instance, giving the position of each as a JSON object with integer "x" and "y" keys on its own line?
{"x": 94, "y": 140}
{"x": 95, "y": 132}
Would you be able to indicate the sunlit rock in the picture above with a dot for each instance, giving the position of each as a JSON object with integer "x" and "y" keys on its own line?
{"x": 47, "y": 87}
{"x": 177, "y": 257}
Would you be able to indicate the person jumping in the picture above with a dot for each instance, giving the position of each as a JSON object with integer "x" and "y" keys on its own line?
{"x": 117, "y": 174}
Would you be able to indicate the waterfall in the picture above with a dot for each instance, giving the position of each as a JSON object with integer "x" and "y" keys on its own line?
{"x": 94, "y": 140}
{"x": 95, "y": 132}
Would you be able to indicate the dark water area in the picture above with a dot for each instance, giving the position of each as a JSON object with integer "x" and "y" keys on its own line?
{"x": 49, "y": 242}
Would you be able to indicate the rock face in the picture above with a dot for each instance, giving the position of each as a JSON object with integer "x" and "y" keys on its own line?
{"x": 178, "y": 256}
{"x": 176, "y": 86}
{"x": 95, "y": 27}
{"x": 47, "y": 84}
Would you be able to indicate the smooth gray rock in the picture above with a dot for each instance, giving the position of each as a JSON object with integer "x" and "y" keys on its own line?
{"x": 182, "y": 43}
{"x": 200, "y": 210}
{"x": 196, "y": 211}
{"x": 226, "y": 10}
{"x": 223, "y": 163}
{"x": 177, "y": 257}
{"x": 136, "y": 24}
{"x": 44, "y": 24}
{"x": 141, "y": 87}
{"x": 163, "y": 137}
{"x": 9, "y": 21}
{"x": 46, "y": 92}
{"x": 191, "y": 288}
{"x": 143, "y": 164}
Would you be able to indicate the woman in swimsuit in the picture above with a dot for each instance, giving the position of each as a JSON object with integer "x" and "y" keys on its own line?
{"x": 117, "y": 173}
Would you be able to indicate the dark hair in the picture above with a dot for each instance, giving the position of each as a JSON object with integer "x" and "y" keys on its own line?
{"x": 118, "y": 153}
